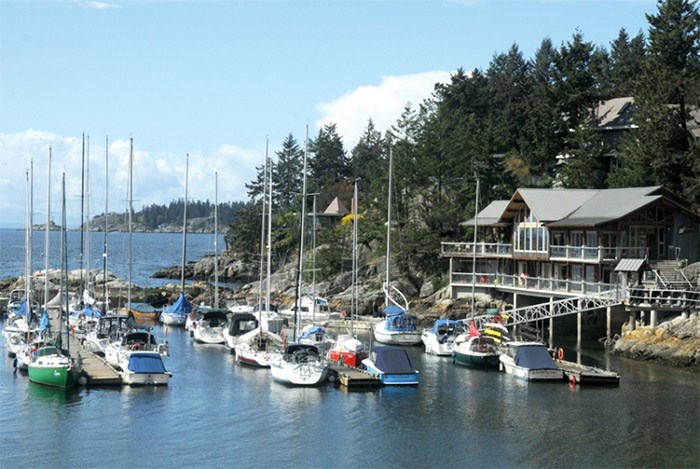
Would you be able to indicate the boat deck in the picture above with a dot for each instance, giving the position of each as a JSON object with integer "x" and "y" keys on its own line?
{"x": 583, "y": 374}
{"x": 354, "y": 378}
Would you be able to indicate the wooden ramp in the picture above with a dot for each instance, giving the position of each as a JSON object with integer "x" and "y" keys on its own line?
{"x": 354, "y": 378}
{"x": 97, "y": 371}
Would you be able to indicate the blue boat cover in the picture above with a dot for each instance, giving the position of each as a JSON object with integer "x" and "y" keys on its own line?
{"x": 146, "y": 363}
{"x": 400, "y": 323}
{"x": 534, "y": 357}
{"x": 443, "y": 326}
{"x": 312, "y": 331}
{"x": 45, "y": 323}
{"x": 181, "y": 306}
{"x": 390, "y": 359}
{"x": 23, "y": 309}
{"x": 393, "y": 310}
{"x": 89, "y": 312}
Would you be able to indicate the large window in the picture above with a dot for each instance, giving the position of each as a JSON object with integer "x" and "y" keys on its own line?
{"x": 530, "y": 235}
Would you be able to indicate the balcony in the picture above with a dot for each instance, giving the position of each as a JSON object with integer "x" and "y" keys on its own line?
{"x": 549, "y": 285}
{"x": 482, "y": 250}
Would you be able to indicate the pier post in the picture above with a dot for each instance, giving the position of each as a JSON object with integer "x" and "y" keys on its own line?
{"x": 579, "y": 325}
{"x": 652, "y": 318}
{"x": 608, "y": 324}
{"x": 551, "y": 321}
{"x": 632, "y": 322}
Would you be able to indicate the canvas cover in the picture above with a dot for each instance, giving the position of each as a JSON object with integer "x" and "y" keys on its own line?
{"x": 534, "y": 357}
{"x": 181, "y": 306}
{"x": 393, "y": 360}
{"x": 146, "y": 363}
{"x": 312, "y": 331}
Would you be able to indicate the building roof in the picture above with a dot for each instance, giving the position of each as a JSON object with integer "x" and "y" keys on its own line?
{"x": 335, "y": 209}
{"x": 615, "y": 113}
{"x": 630, "y": 265}
{"x": 490, "y": 215}
{"x": 547, "y": 204}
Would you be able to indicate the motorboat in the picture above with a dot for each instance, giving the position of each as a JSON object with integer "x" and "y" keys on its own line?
{"x": 139, "y": 340}
{"x": 210, "y": 325}
{"x": 300, "y": 365}
{"x": 530, "y": 361}
{"x": 392, "y": 365}
{"x": 398, "y": 328}
{"x": 239, "y": 324}
{"x": 348, "y": 351}
{"x": 143, "y": 368}
{"x": 107, "y": 330}
{"x": 439, "y": 339}
{"x": 480, "y": 351}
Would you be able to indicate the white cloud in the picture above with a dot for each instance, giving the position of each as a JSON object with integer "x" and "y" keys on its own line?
{"x": 158, "y": 177}
{"x": 95, "y": 5}
{"x": 383, "y": 103}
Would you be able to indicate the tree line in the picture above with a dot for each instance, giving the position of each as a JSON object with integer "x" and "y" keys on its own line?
{"x": 521, "y": 121}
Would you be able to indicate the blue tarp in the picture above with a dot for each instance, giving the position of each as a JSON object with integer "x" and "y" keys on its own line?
{"x": 443, "y": 326}
{"x": 45, "y": 323}
{"x": 392, "y": 360}
{"x": 181, "y": 306}
{"x": 312, "y": 331}
{"x": 534, "y": 357}
{"x": 393, "y": 310}
{"x": 146, "y": 363}
{"x": 91, "y": 312}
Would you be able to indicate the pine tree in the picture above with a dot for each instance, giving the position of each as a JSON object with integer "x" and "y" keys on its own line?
{"x": 288, "y": 178}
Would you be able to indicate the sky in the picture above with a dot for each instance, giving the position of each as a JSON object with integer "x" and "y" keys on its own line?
{"x": 217, "y": 80}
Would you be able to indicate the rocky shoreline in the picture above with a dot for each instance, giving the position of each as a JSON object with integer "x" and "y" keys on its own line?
{"x": 675, "y": 342}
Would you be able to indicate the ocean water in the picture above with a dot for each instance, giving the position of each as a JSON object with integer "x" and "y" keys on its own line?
{"x": 217, "y": 413}
{"x": 150, "y": 252}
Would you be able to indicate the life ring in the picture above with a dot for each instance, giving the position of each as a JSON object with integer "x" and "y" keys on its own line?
{"x": 136, "y": 347}
{"x": 560, "y": 353}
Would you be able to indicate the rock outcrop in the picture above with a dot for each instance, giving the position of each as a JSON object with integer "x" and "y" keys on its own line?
{"x": 674, "y": 342}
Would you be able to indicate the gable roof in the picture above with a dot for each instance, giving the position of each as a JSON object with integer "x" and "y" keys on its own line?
{"x": 490, "y": 215}
{"x": 547, "y": 204}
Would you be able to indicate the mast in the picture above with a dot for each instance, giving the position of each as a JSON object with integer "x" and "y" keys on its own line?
{"x": 476, "y": 222}
{"x": 262, "y": 236}
{"x": 300, "y": 263}
{"x": 105, "y": 293}
{"x": 47, "y": 239}
{"x": 216, "y": 239}
{"x": 64, "y": 265}
{"x": 184, "y": 228}
{"x": 269, "y": 236}
{"x": 353, "y": 304}
{"x": 387, "y": 296}
{"x": 130, "y": 210}
{"x": 30, "y": 243}
{"x": 82, "y": 213}
{"x": 86, "y": 291}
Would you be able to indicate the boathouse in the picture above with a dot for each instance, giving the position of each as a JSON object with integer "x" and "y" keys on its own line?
{"x": 551, "y": 252}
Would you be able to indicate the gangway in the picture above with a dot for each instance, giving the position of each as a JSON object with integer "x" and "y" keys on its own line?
{"x": 538, "y": 312}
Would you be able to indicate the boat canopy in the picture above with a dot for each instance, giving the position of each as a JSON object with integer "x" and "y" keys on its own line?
{"x": 446, "y": 326}
{"x": 89, "y": 312}
{"x": 181, "y": 306}
{"x": 141, "y": 307}
{"x": 393, "y": 310}
{"x": 400, "y": 323}
{"x": 136, "y": 337}
{"x": 391, "y": 359}
{"x": 241, "y": 323}
{"x": 264, "y": 307}
{"x": 534, "y": 357}
{"x": 146, "y": 362}
{"x": 291, "y": 348}
{"x": 312, "y": 331}
{"x": 215, "y": 317}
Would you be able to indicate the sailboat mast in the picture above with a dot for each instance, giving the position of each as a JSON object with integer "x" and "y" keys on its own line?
{"x": 184, "y": 227}
{"x": 82, "y": 213}
{"x": 269, "y": 237}
{"x": 30, "y": 241}
{"x": 388, "y": 231}
{"x": 64, "y": 264}
{"x": 47, "y": 239}
{"x": 105, "y": 294}
{"x": 130, "y": 210}
{"x": 476, "y": 223}
{"x": 86, "y": 291}
{"x": 353, "y": 304}
{"x": 216, "y": 239}
{"x": 300, "y": 270}
{"x": 262, "y": 233}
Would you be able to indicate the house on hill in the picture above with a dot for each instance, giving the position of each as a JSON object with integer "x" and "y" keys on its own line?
{"x": 545, "y": 245}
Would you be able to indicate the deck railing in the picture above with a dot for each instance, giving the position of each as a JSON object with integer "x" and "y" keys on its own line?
{"x": 588, "y": 254}
{"x": 492, "y": 280}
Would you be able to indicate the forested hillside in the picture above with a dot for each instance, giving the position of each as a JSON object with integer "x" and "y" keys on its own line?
{"x": 523, "y": 121}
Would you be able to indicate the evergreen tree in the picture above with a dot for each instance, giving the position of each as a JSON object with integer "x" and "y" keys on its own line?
{"x": 582, "y": 169}
{"x": 627, "y": 58}
{"x": 327, "y": 160}
{"x": 287, "y": 180}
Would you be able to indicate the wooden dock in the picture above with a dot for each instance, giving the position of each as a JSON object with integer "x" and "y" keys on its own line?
{"x": 581, "y": 374}
{"x": 354, "y": 378}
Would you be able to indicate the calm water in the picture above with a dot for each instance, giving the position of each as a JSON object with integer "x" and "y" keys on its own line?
{"x": 216, "y": 413}
{"x": 151, "y": 252}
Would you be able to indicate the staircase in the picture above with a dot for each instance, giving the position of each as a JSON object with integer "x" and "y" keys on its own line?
{"x": 668, "y": 275}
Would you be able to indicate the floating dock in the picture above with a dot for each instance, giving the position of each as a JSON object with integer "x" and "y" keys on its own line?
{"x": 354, "y": 378}
{"x": 96, "y": 370}
{"x": 583, "y": 374}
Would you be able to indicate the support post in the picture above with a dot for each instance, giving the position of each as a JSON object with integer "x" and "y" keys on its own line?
{"x": 632, "y": 322}
{"x": 608, "y": 324}
{"x": 551, "y": 321}
{"x": 652, "y": 318}
{"x": 579, "y": 322}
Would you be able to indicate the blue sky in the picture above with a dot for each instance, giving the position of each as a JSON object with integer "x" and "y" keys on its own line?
{"x": 216, "y": 78}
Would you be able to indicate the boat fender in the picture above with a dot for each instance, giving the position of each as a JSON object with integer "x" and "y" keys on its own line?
{"x": 560, "y": 353}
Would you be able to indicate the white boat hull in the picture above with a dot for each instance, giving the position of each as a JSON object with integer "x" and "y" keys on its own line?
{"x": 396, "y": 337}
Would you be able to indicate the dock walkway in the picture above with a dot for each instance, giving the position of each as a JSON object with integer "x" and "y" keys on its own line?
{"x": 354, "y": 378}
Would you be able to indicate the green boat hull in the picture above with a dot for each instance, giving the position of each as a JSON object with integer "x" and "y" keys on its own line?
{"x": 55, "y": 376}
{"x": 476, "y": 360}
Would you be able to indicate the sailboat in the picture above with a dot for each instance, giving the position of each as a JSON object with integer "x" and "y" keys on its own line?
{"x": 348, "y": 349}
{"x": 258, "y": 346}
{"x": 398, "y": 327}
{"x": 52, "y": 365}
{"x": 139, "y": 355}
{"x": 176, "y": 314}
